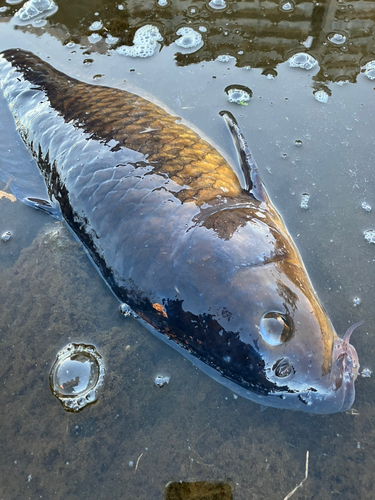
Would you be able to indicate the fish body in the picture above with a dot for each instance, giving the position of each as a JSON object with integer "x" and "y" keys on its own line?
{"x": 200, "y": 255}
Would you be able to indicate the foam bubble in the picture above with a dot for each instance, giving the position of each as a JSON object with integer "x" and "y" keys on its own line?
{"x": 161, "y": 380}
{"x": 76, "y": 375}
{"x": 239, "y": 94}
{"x": 96, "y": 25}
{"x": 189, "y": 38}
{"x": 356, "y": 301}
{"x": 366, "y": 206}
{"x": 305, "y": 201}
{"x": 369, "y": 70}
{"x": 145, "y": 42}
{"x": 336, "y": 38}
{"x": 224, "y": 58}
{"x": 321, "y": 96}
{"x": 111, "y": 40}
{"x": 34, "y": 9}
{"x": 217, "y": 4}
{"x": 94, "y": 38}
{"x": 6, "y": 236}
{"x": 162, "y": 3}
{"x": 302, "y": 60}
{"x": 287, "y": 6}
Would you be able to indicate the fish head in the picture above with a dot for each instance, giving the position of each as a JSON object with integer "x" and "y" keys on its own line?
{"x": 307, "y": 366}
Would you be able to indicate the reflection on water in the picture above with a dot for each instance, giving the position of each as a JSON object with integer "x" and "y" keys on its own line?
{"x": 339, "y": 34}
{"x": 139, "y": 437}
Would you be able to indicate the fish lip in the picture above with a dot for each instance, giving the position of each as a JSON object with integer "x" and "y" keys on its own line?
{"x": 345, "y": 368}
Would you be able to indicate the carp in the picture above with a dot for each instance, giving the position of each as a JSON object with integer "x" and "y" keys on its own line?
{"x": 193, "y": 248}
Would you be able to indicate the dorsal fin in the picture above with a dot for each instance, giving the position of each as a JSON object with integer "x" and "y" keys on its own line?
{"x": 253, "y": 184}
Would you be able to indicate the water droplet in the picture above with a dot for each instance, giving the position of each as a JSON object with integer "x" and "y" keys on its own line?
{"x": 369, "y": 70}
{"x": 366, "y": 206}
{"x": 217, "y": 4}
{"x": 302, "y": 60}
{"x": 6, "y": 236}
{"x": 321, "y": 96}
{"x": 369, "y": 235}
{"x": 238, "y": 94}
{"x": 356, "y": 301}
{"x": 76, "y": 375}
{"x": 287, "y": 6}
{"x": 189, "y": 38}
{"x": 305, "y": 201}
{"x": 161, "y": 380}
{"x": 336, "y": 38}
{"x": 298, "y": 142}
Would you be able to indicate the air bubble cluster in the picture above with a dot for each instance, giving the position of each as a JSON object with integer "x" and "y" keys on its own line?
{"x": 302, "y": 60}
{"x": 33, "y": 9}
{"x": 366, "y": 207}
{"x": 189, "y": 38}
{"x": 76, "y": 376}
{"x": 356, "y": 301}
{"x": 369, "y": 235}
{"x": 224, "y": 58}
{"x": 145, "y": 42}
{"x": 96, "y": 25}
{"x": 369, "y": 70}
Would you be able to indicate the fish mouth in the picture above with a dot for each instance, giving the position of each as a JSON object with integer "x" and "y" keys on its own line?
{"x": 345, "y": 368}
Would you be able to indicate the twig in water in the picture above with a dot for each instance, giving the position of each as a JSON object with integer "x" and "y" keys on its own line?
{"x": 136, "y": 465}
{"x": 303, "y": 480}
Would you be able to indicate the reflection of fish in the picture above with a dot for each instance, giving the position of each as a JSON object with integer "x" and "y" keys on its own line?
{"x": 200, "y": 256}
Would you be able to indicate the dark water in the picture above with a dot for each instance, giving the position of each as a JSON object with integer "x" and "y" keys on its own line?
{"x": 193, "y": 429}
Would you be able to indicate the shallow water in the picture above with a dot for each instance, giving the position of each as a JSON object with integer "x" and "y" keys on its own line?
{"x": 192, "y": 429}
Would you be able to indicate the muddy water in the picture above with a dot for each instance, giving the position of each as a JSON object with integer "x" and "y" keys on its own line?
{"x": 139, "y": 437}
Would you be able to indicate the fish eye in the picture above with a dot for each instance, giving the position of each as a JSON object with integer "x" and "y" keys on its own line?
{"x": 275, "y": 328}
{"x": 282, "y": 368}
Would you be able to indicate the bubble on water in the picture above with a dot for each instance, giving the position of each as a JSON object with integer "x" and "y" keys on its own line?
{"x": 366, "y": 372}
{"x": 366, "y": 206}
{"x": 369, "y": 70}
{"x": 111, "y": 40}
{"x": 305, "y": 201}
{"x": 4, "y": 9}
{"x": 217, "y": 4}
{"x": 202, "y": 29}
{"x": 369, "y": 235}
{"x": 298, "y": 142}
{"x": 161, "y": 380}
{"x": 336, "y": 38}
{"x": 6, "y": 236}
{"x": 13, "y": 2}
{"x": 145, "y": 42}
{"x": 302, "y": 60}
{"x": 96, "y": 25}
{"x": 287, "y": 6}
{"x": 94, "y": 38}
{"x": 131, "y": 463}
{"x": 76, "y": 376}
{"x": 321, "y": 96}
{"x": 224, "y": 58}
{"x": 270, "y": 73}
{"x": 189, "y": 38}
{"x": 239, "y": 94}
{"x": 356, "y": 301}
{"x": 162, "y": 3}
{"x": 34, "y": 9}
